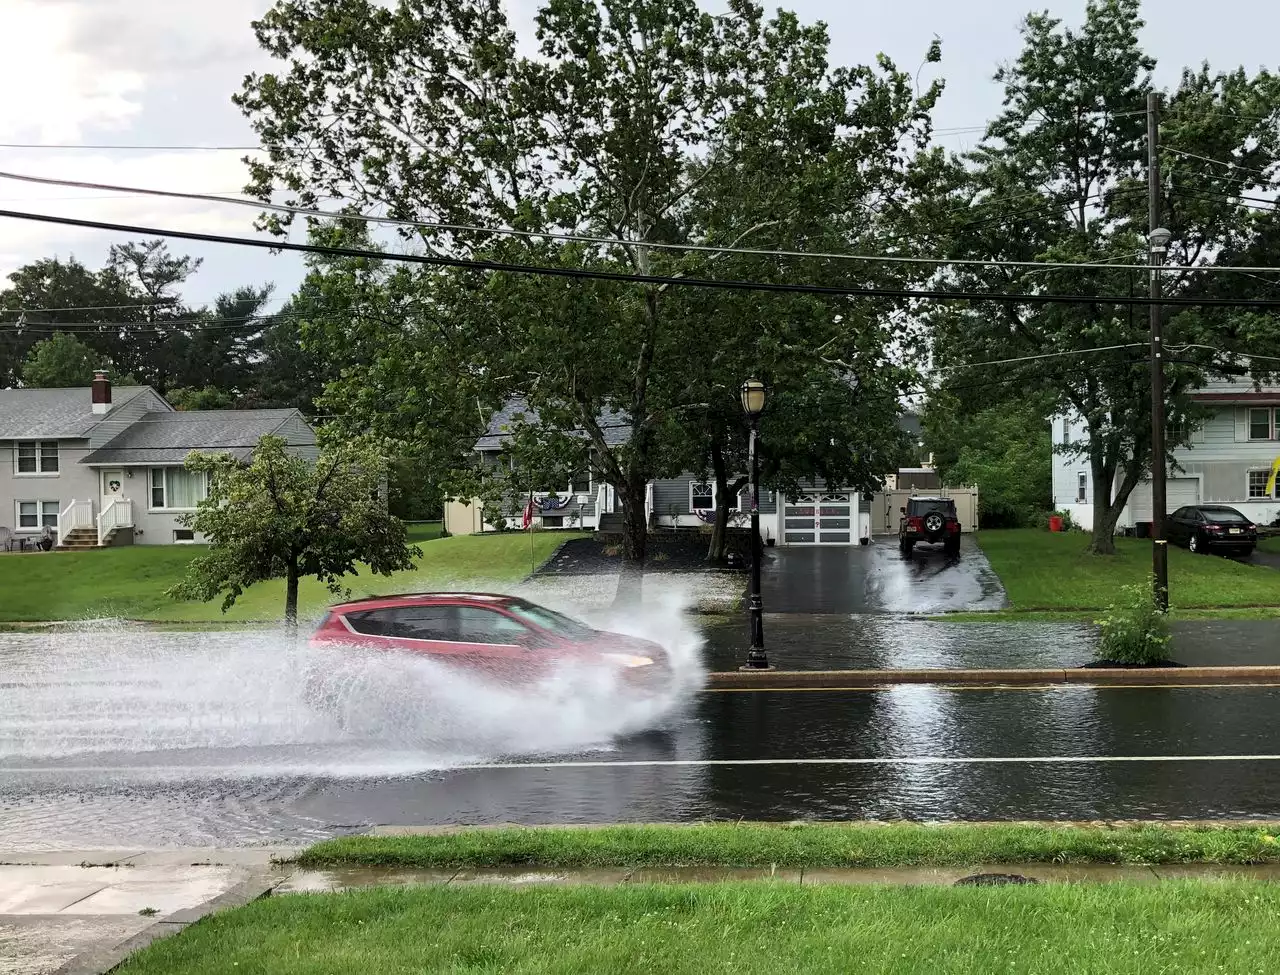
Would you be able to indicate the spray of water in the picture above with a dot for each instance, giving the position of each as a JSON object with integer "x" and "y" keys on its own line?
{"x": 111, "y": 695}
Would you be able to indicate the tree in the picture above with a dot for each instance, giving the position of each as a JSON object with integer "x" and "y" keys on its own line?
{"x": 49, "y": 293}
{"x": 59, "y": 362}
{"x": 209, "y": 398}
{"x": 281, "y": 516}
{"x": 424, "y": 108}
{"x": 1061, "y": 176}
{"x": 1005, "y": 450}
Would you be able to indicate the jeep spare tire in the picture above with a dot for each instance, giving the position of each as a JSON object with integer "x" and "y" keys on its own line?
{"x": 934, "y": 522}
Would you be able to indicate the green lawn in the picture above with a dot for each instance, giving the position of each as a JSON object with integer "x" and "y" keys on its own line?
{"x": 1052, "y": 571}
{"x": 130, "y": 581}
{"x": 801, "y": 845}
{"x": 1270, "y": 544}
{"x": 759, "y": 928}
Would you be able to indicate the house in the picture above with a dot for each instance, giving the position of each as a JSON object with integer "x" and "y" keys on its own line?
{"x": 819, "y": 515}
{"x": 103, "y": 466}
{"x": 1228, "y": 460}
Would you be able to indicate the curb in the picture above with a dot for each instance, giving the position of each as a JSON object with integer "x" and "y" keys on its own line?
{"x": 841, "y": 679}
{"x": 100, "y": 961}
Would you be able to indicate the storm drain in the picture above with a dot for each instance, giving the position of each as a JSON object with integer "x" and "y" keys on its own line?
{"x": 994, "y": 880}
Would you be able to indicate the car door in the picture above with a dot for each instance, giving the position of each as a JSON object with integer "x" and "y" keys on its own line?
{"x": 1176, "y": 529}
{"x": 498, "y": 644}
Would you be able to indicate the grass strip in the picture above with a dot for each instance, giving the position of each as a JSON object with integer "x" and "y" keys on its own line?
{"x": 803, "y": 845}
{"x": 763, "y": 927}
{"x": 1047, "y": 571}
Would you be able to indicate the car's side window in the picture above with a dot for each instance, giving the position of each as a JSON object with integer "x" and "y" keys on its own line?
{"x": 425, "y": 623}
{"x": 1179, "y": 514}
{"x": 488, "y": 626}
{"x": 371, "y": 622}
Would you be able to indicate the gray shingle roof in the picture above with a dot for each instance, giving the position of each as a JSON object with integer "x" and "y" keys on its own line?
{"x": 30, "y": 413}
{"x": 167, "y": 438}
{"x": 614, "y": 425}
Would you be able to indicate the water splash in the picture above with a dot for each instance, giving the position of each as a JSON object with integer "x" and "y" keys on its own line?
{"x": 115, "y": 696}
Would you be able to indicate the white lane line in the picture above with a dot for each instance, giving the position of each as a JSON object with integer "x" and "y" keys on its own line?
{"x": 240, "y": 771}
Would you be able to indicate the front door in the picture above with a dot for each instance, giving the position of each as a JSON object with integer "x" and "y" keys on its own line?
{"x": 112, "y": 487}
{"x": 820, "y": 519}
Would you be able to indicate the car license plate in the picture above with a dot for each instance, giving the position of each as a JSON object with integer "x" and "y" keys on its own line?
{"x": 1235, "y": 531}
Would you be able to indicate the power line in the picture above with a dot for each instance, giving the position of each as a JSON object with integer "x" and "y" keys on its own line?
{"x": 130, "y": 147}
{"x": 144, "y": 304}
{"x": 583, "y": 238}
{"x": 654, "y": 279}
{"x": 1218, "y": 162}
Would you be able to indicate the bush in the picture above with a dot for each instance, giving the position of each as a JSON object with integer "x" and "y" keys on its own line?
{"x": 1134, "y": 631}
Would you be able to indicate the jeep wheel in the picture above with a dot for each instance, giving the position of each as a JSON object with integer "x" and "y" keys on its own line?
{"x": 934, "y": 522}
{"x": 905, "y": 546}
{"x": 952, "y": 545}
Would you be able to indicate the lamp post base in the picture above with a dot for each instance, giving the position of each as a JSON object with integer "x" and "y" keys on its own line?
{"x": 757, "y": 659}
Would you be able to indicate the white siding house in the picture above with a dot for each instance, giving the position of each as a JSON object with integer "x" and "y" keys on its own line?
{"x": 1227, "y": 462}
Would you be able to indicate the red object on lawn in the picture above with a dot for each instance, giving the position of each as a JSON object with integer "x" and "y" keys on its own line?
{"x": 1055, "y": 523}
{"x": 528, "y": 514}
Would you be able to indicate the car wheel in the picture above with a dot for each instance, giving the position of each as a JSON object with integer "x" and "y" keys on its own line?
{"x": 1193, "y": 544}
{"x": 907, "y": 546}
{"x": 1247, "y": 552}
{"x": 951, "y": 547}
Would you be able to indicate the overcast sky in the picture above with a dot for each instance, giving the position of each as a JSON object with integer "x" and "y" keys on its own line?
{"x": 161, "y": 72}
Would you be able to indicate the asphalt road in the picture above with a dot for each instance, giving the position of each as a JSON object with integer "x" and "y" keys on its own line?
{"x": 878, "y": 579}
{"x": 185, "y": 739}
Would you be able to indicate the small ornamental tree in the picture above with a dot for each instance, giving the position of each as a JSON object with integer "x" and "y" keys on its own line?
{"x": 282, "y": 516}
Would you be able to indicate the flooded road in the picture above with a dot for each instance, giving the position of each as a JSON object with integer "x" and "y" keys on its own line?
{"x": 877, "y": 578}
{"x": 206, "y": 739}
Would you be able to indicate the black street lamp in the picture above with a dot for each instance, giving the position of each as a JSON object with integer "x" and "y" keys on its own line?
{"x": 754, "y": 394}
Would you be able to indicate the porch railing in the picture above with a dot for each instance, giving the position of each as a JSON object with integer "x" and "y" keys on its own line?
{"x": 118, "y": 514}
{"x": 78, "y": 514}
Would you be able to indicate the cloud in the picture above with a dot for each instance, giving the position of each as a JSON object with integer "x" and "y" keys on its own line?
{"x": 52, "y": 89}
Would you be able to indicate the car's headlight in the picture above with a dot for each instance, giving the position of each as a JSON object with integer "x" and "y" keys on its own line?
{"x": 627, "y": 660}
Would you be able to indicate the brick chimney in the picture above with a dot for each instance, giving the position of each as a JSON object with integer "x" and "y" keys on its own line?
{"x": 101, "y": 392}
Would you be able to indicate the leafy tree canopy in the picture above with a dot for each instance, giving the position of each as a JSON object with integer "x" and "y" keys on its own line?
{"x": 281, "y": 516}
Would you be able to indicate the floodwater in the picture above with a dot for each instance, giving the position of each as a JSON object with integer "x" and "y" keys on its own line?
{"x": 116, "y": 738}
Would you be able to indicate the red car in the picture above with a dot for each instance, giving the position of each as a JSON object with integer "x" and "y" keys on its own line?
{"x": 502, "y": 636}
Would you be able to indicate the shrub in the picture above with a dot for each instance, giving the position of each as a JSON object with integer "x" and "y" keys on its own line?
{"x": 1134, "y": 631}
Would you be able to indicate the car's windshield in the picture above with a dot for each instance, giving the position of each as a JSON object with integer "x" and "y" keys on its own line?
{"x": 1224, "y": 515}
{"x": 550, "y": 620}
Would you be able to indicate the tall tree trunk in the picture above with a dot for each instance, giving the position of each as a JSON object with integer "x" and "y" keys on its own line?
{"x": 635, "y": 537}
{"x": 291, "y": 595}
{"x": 1106, "y": 516}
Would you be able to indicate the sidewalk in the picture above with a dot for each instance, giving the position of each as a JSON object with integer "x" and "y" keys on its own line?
{"x": 83, "y": 911}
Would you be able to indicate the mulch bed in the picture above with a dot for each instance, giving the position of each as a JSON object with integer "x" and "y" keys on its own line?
{"x": 1114, "y": 665}
{"x": 664, "y": 553}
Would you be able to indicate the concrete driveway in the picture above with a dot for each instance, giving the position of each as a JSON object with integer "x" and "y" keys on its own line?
{"x": 878, "y": 579}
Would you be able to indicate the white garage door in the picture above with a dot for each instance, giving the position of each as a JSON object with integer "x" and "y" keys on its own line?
{"x": 1179, "y": 492}
{"x": 820, "y": 519}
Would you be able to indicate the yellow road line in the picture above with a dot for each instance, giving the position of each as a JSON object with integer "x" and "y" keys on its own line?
{"x": 972, "y": 687}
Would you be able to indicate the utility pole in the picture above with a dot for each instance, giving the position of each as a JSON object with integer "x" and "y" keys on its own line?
{"x": 1157, "y": 243}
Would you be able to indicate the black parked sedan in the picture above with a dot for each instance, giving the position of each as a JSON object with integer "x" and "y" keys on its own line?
{"x": 1212, "y": 527}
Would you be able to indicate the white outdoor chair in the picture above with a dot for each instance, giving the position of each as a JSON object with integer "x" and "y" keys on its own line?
{"x": 7, "y": 539}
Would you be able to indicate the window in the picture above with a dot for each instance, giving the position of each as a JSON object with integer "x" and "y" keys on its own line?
{"x": 702, "y": 496}
{"x": 488, "y": 626}
{"x": 184, "y": 536}
{"x": 177, "y": 489}
{"x": 550, "y": 620}
{"x": 1258, "y": 485}
{"x": 1260, "y": 424}
{"x": 34, "y": 515}
{"x": 38, "y": 457}
{"x": 553, "y": 521}
{"x": 1082, "y": 487}
{"x": 581, "y": 483}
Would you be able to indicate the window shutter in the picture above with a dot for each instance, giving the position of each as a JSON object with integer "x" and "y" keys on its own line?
{"x": 1242, "y": 424}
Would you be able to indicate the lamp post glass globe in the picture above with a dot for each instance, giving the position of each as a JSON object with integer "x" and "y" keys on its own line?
{"x": 754, "y": 394}
{"x": 1159, "y": 238}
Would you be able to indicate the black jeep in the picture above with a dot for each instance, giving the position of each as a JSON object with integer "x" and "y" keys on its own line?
{"x": 931, "y": 520}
